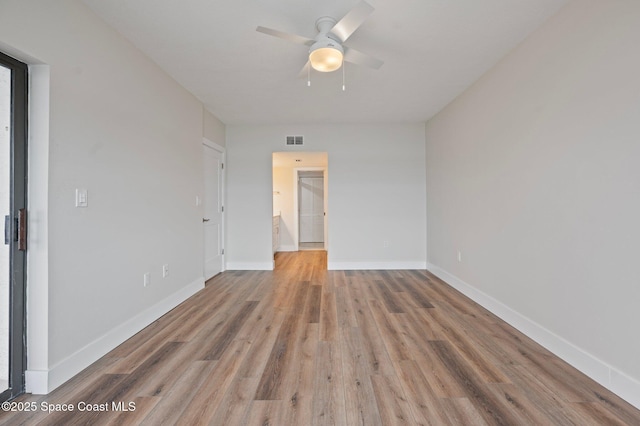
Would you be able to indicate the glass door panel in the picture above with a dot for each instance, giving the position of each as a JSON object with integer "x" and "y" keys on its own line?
{"x": 13, "y": 160}
{"x": 5, "y": 212}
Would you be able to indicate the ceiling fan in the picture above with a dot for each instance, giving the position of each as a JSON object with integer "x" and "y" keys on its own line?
{"x": 327, "y": 51}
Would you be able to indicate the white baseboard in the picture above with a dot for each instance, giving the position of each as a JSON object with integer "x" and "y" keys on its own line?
{"x": 36, "y": 381}
{"x": 43, "y": 382}
{"x": 250, "y": 266}
{"x": 287, "y": 247}
{"x": 375, "y": 266}
{"x": 608, "y": 376}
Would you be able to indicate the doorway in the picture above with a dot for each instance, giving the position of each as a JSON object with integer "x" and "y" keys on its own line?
{"x": 287, "y": 168}
{"x": 13, "y": 160}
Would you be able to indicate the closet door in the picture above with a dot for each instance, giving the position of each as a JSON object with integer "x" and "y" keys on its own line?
{"x": 311, "y": 206}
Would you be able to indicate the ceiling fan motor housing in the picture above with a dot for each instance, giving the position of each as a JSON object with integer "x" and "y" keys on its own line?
{"x": 325, "y": 24}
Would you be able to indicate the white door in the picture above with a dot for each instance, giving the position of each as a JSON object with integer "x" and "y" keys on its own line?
{"x": 213, "y": 209}
{"x": 311, "y": 205}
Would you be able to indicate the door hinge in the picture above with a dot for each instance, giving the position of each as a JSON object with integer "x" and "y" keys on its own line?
{"x": 222, "y": 166}
{"x": 222, "y": 209}
{"x": 222, "y": 252}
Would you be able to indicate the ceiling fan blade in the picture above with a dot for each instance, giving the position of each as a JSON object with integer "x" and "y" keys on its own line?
{"x": 286, "y": 36}
{"x": 359, "y": 58}
{"x": 352, "y": 20}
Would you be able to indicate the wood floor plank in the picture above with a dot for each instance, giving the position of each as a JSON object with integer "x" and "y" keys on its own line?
{"x": 235, "y": 405}
{"x": 520, "y": 406}
{"x": 594, "y": 413}
{"x": 169, "y": 373}
{"x": 298, "y": 379}
{"x": 301, "y": 345}
{"x": 265, "y": 413}
{"x": 328, "y": 392}
{"x": 375, "y": 349}
{"x": 572, "y": 386}
{"x": 434, "y": 371}
{"x": 101, "y": 393}
{"x": 315, "y": 301}
{"x": 461, "y": 411}
{"x": 282, "y": 352}
{"x": 542, "y": 397}
{"x": 390, "y": 280}
{"x": 412, "y": 287}
{"x": 206, "y": 401}
{"x": 228, "y": 332}
{"x": 395, "y": 345}
{"x": 140, "y": 408}
{"x": 328, "y": 318}
{"x": 262, "y": 344}
{"x": 137, "y": 357}
{"x": 360, "y": 400}
{"x": 426, "y": 406}
{"x": 389, "y": 298}
{"x": 490, "y": 407}
{"x": 392, "y": 402}
{"x": 171, "y": 406}
{"x": 483, "y": 363}
{"x": 344, "y": 308}
{"x": 195, "y": 323}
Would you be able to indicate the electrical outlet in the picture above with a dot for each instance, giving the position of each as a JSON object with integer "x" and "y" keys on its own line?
{"x": 146, "y": 279}
{"x": 385, "y": 244}
{"x": 165, "y": 271}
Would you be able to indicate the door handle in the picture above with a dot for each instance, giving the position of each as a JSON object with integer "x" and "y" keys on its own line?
{"x": 205, "y": 220}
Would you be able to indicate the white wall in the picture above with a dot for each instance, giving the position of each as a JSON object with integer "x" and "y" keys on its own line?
{"x": 124, "y": 130}
{"x": 533, "y": 175}
{"x": 212, "y": 128}
{"x": 376, "y": 193}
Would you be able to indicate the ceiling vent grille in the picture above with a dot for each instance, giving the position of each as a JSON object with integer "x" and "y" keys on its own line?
{"x": 295, "y": 140}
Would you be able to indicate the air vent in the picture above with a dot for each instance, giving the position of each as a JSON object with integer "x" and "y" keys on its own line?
{"x": 294, "y": 140}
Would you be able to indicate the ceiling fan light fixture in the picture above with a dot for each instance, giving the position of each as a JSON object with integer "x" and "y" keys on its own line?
{"x": 326, "y": 55}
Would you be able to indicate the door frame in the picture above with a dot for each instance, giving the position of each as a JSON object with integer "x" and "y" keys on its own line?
{"x": 296, "y": 211}
{"x": 18, "y": 258}
{"x": 223, "y": 156}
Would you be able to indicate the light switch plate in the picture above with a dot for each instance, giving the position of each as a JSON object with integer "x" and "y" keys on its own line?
{"x": 82, "y": 197}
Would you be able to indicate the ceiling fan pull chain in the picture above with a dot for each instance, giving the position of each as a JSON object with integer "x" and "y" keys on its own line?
{"x": 344, "y": 87}
{"x": 309, "y": 76}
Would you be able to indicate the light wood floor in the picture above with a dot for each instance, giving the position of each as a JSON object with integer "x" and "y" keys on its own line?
{"x": 304, "y": 346}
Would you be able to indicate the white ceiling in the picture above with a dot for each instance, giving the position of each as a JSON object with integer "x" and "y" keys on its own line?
{"x": 432, "y": 49}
